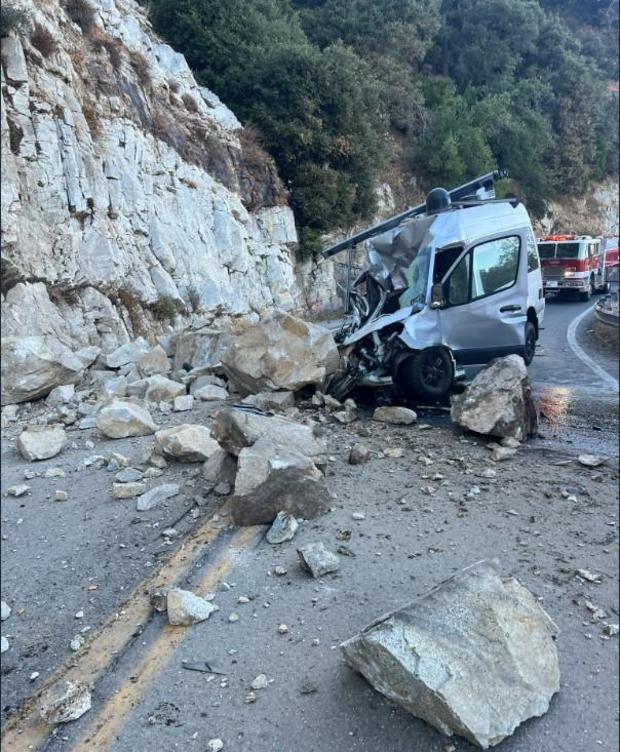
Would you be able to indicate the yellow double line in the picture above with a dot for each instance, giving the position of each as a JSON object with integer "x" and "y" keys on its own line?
{"x": 26, "y": 731}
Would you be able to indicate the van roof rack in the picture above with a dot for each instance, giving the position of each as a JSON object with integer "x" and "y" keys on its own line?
{"x": 466, "y": 192}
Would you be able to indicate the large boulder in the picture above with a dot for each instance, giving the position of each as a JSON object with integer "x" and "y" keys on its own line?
{"x": 499, "y": 401}
{"x": 187, "y": 443}
{"x": 281, "y": 352}
{"x": 276, "y": 466}
{"x": 271, "y": 480}
{"x": 130, "y": 352}
{"x": 122, "y": 418}
{"x": 474, "y": 656}
{"x": 32, "y": 366}
{"x": 237, "y": 429}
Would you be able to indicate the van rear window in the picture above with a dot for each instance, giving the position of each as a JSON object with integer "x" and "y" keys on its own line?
{"x": 546, "y": 250}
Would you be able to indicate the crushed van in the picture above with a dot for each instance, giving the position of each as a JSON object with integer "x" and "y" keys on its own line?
{"x": 453, "y": 282}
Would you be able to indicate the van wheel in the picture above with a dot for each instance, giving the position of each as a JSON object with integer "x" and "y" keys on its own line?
{"x": 530, "y": 343}
{"x": 427, "y": 375}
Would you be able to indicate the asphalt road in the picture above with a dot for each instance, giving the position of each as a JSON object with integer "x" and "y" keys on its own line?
{"x": 88, "y": 553}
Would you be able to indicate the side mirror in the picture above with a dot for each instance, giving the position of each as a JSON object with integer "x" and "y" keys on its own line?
{"x": 437, "y": 300}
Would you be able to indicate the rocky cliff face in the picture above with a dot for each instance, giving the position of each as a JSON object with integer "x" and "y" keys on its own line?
{"x": 131, "y": 196}
{"x": 594, "y": 213}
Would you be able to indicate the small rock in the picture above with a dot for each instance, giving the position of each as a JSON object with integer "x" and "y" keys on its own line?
{"x": 153, "y": 497}
{"x": 5, "y": 610}
{"x": 154, "y": 361}
{"x": 61, "y": 495}
{"x": 250, "y": 697}
{"x": 283, "y": 629}
{"x": 215, "y": 745}
{"x": 128, "y": 475}
{"x": 127, "y": 490}
{"x": 510, "y": 442}
{"x": 210, "y": 393}
{"x": 183, "y": 403}
{"x": 76, "y": 643}
{"x": 185, "y": 608}
{"x": 501, "y": 453}
{"x": 358, "y": 516}
{"x": 359, "y": 454}
{"x": 317, "y": 560}
{"x": 399, "y": 416}
{"x": 64, "y": 701}
{"x": 308, "y": 687}
{"x": 282, "y": 529}
{"x": 18, "y": 490}
{"x": 280, "y": 571}
{"x": 121, "y": 419}
{"x": 60, "y": 395}
{"x": 261, "y": 682}
{"x": 41, "y": 442}
{"x": 233, "y": 617}
{"x": 271, "y": 401}
{"x": 591, "y": 460}
{"x": 159, "y": 600}
{"x": 611, "y": 630}
{"x": 394, "y": 453}
{"x": 4, "y": 644}
{"x": 34, "y": 675}
{"x": 588, "y": 576}
{"x": 187, "y": 443}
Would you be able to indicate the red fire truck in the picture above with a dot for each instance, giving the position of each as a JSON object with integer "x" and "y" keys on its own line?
{"x": 577, "y": 263}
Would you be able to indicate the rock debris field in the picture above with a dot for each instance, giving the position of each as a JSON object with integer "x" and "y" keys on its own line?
{"x": 471, "y": 579}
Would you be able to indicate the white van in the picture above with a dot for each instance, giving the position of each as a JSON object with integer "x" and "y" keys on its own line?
{"x": 456, "y": 282}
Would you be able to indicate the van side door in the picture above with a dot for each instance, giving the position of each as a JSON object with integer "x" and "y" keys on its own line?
{"x": 485, "y": 295}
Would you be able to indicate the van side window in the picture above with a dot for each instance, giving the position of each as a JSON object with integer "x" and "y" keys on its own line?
{"x": 458, "y": 282}
{"x": 494, "y": 266}
{"x": 533, "y": 261}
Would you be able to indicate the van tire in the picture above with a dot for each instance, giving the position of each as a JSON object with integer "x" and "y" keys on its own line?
{"x": 427, "y": 375}
{"x": 529, "y": 349}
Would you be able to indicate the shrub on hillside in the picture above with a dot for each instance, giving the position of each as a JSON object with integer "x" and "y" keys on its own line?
{"x": 12, "y": 18}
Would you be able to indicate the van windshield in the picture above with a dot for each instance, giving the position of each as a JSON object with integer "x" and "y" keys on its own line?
{"x": 546, "y": 250}
{"x": 568, "y": 250}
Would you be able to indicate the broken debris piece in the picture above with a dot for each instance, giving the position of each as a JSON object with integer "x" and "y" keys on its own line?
{"x": 317, "y": 560}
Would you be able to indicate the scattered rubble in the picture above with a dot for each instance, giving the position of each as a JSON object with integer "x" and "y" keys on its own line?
{"x": 484, "y": 661}
{"x": 41, "y": 442}
{"x": 186, "y": 443}
{"x": 498, "y": 402}
{"x": 398, "y": 416}
{"x": 185, "y": 608}
{"x": 64, "y": 701}
{"x": 283, "y": 528}
{"x": 317, "y": 560}
{"x": 281, "y": 352}
{"x": 121, "y": 418}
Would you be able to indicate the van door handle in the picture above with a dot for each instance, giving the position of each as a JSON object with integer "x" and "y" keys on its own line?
{"x": 507, "y": 308}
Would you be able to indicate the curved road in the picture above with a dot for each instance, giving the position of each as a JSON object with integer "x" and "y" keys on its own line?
{"x": 575, "y": 378}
